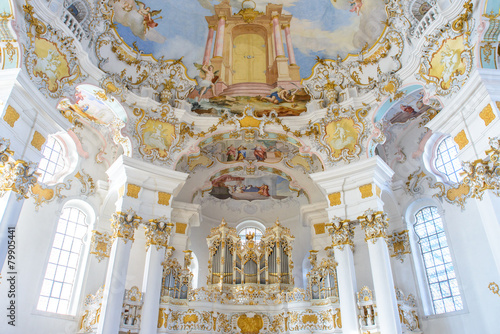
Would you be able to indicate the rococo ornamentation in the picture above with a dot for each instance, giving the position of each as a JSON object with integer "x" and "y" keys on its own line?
{"x": 124, "y": 225}
{"x": 375, "y": 224}
{"x": 100, "y": 245}
{"x": 342, "y": 233}
{"x": 158, "y": 232}
{"x": 399, "y": 245}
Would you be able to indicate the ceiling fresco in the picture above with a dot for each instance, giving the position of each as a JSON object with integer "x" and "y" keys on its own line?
{"x": 248, "y": 96}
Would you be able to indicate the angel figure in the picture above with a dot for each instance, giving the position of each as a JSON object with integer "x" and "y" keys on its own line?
{"x": 206, "y": 80}
{"x": 356, "y": 6}
{"x": 148, "y": 15}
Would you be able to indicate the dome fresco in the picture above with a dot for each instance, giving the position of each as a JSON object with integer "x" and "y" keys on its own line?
{"x": 249, "y": 166}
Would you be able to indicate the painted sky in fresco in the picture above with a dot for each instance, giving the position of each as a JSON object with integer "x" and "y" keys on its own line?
{"x": 321, "y": 28}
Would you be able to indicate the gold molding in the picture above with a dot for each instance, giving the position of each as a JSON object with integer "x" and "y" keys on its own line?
{"x": 366, "y": 190}
{"x": 375, "y": 224}
{"x": 38, "y": 140}
{"x": 100, "y": 245}
{"x": 335, "y": 199}
{"x": 133, "y": 190}
{"x": 494, "y": 288}
{"x": 180, "y": 228}
{"x": 164, "y": 198}
{"x": 461, "y": 139}
{"x": 319, "y": 228}
{"x": 11, "y": 116}
{"x": 487, "y": 115}
{"x": 342, "y": 233}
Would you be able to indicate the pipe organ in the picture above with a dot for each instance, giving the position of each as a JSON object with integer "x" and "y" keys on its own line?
{"x": 234, "y": 262}
{"x": 176, "y": 282}
{"x": 322, "y": 278}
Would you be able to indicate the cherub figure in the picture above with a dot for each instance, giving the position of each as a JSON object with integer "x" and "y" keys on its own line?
{"x": 148, "y": 15}
{"x": 356, "y": 6}
{"x": 206, "y": 80}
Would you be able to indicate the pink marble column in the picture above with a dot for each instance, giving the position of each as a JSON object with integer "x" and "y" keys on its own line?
{"x": 219, "y": 40}
{"x": 278, "y": 43}
{"x": 289, "y": 46}
{"x": 208, "y": 47}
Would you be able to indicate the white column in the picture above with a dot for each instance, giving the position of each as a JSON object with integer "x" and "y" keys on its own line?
{"x": 10, "y": 207}
{"x": 375, "y": 225}
{"x": 124, "y": 225}
{"x": 489, "y": 210}
{"x": 342, "y": 234}
{"x": 157, "y": 238}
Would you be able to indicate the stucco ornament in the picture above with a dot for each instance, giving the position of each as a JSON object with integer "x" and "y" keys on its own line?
{"x": 375, "y": 224}
{"x": 124, "y": 224}
{"x": 342, "y": 233}
{"x": 158, "y": 232}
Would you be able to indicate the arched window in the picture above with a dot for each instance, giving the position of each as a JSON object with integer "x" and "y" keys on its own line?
{"x": 52, "y": 162}
{"x": 447, "y": 161}
{"x": 62, "y": 268}
{"x": 248, "y": 232}
{"x": 438, "y": 266}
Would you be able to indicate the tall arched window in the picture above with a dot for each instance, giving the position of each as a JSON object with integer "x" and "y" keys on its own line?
{"x": 246, "y": 232}
{"x": 52, "y": 162}
{"x": 440, "y": 274}
{"x": 61, "y": 273}
{"x": 447, "y": 161}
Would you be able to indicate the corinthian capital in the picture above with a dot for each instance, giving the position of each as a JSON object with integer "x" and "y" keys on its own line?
{"x": 124, "y": 224}
{"x": 342, "y": 233}
{"x": 375, "y": 224}
{"x": 17, "y": 176}
{"x": 158, "y": 232}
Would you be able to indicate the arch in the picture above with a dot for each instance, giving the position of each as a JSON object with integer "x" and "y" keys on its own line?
{"x": 430, "y": 156}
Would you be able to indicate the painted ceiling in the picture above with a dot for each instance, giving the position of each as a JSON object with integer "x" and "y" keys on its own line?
{"x": 251, "y": 97}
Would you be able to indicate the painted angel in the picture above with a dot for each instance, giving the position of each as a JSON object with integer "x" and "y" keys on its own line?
{"x": 356, "y": 6}
{"x": 206, "y": 80}
{"x": 148, "y": 15}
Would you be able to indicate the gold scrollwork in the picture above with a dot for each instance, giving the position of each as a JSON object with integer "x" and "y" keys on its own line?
{"x": 375, "y": 224}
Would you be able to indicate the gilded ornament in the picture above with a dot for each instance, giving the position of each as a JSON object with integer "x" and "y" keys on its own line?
{"x": 487, "y": 115}
{"x": 494, "y": 288}
{"x": 366, "y": 190}
{"x": 342, "y": 233}
{"x": 11, "y": 116}
{"x": 180, "y": 228}
{"x": 461, "y": 139}
{"x": 158, "y": 232}
{"x": 38, "y": 140}
{"x": 100, "y": 245}
{"x": 18, "y": 176}
{"x": 250, "y": 325}
{"x": 133, "y": 190}
{"x": 319, "y": 228}
{"x": 399, "y": 245}
{"x": 335, "y": 199}
{"x": 124, "y": 225}
{"x": 375, "y": 224}
{"x": 164, "y": 198}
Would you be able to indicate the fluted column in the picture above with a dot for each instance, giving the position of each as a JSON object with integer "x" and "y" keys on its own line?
{"x": 289, "y": 45}
{"x": 278, "y": 42}
{"x": 219, "y": 39}
{"x": 342, "y": 238}
{"x": 16, "y": 179}
{"x": 158, "y": 232}
{"x": 375, "y": 224}
{"x": 123, "y": 225}
{"x": 208, "y": 47}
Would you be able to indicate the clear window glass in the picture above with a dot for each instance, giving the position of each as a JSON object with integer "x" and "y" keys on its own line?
{"x": 250, "y": 231}
{"x": 52, "y": 161}
{"x": 447, "y": 161}
{"x": 439, "y": 270}
{"x": 60, "y": 275}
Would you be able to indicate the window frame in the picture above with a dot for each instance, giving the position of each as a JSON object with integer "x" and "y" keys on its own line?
{"x": 252, "y": 224}
{"x": 431, "y": 155}
{"x": 418, "y": 267}
{"x": 82, "y": 268}
{"x": 69, "y": 155}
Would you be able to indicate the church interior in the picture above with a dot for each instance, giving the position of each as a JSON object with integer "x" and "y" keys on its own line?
{"x": 249, "y": 166}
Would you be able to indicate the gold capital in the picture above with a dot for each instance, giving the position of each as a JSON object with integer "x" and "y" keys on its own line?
{"x": 124, "y": 224}
{"x": 375, "y": 224}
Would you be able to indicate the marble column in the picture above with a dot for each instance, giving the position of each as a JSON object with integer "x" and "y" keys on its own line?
{"x": 289, "y": 45}
{"x": 158, "y": 232}
{"x": 375, "y": 224}
{"x": 208, "y": 47}
{"x": 342, "y": 238}
{"x": 278, "y": 43}
{"x": 16, "y": 179}
{"x": 124, "y": 225}
{"x": 219, "y": 39}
